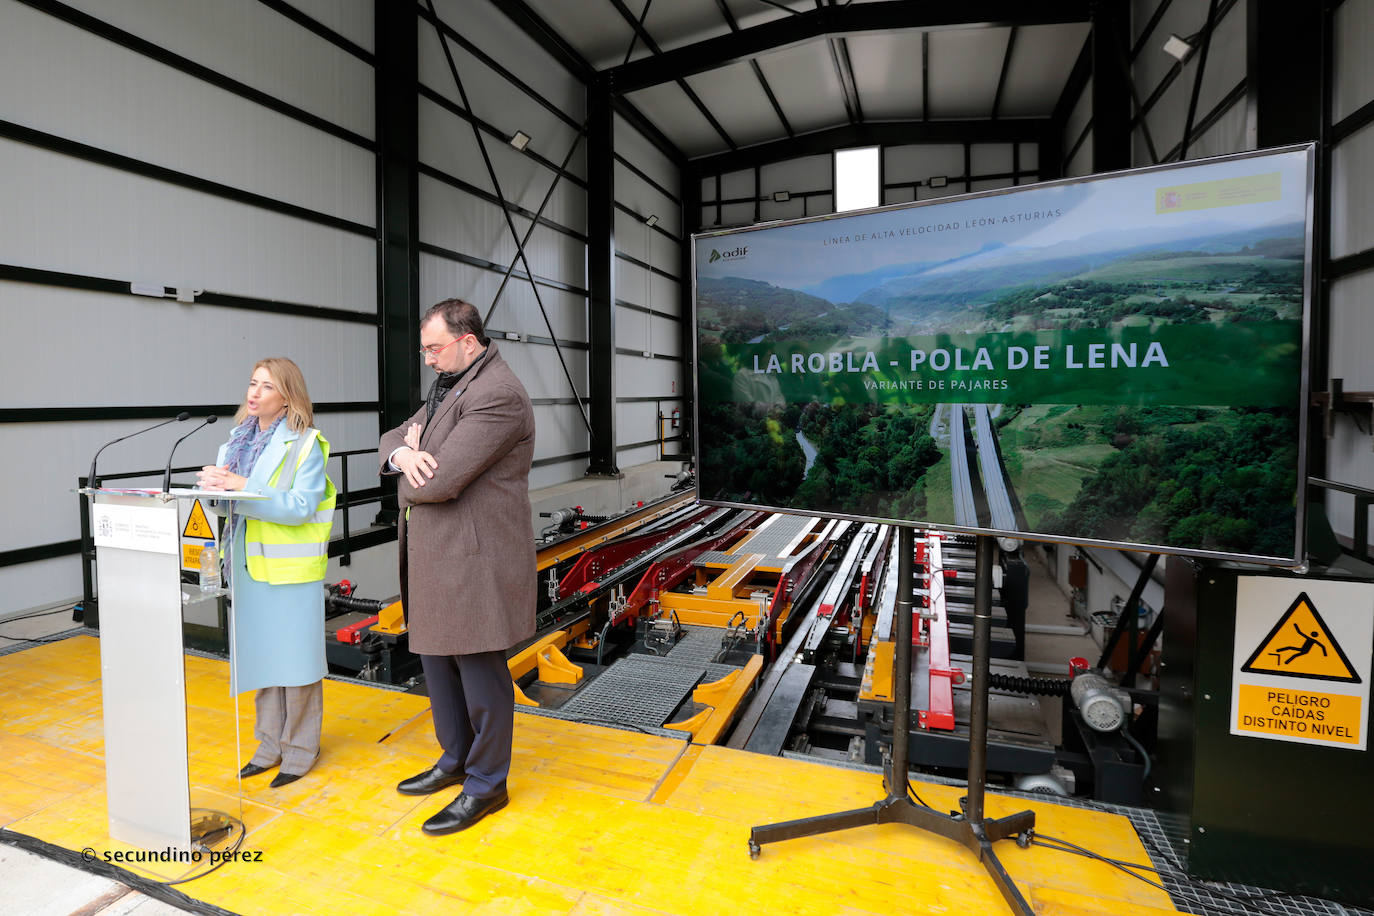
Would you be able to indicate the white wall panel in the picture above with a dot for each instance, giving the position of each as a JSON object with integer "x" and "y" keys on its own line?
{"x": 539, "y": 369}
{"x": 454, "y": 219}
{"x": 809, "y": 173}
{"x": 793, "y": 208}
{"x": 69, "y": 215}
{"x": 640, "y": 377}
{"x": 643, "y": 198}
{"x": 734, "y": 185}
{"x": 1230, "y": 134}
{"x": 740, "y": 214}
{"x": 559, "y": 430}
{"x": 350, "y": 18}
{"x": 39, "y": 584}
{"x": 446, "y": 142}
{"x": 1354, "y": 64}
{"x": 635, "y": 456}
{"x": 560, "y": 472}
{"x": 256, "y": 46}
{"x": 158, "y": 351}
{"x": 636, "y": 148}
{"x": 1352, "y": 194}
{"x": 990, "y": 158}
{"x": 517, "y": 310}
{"x": 134, "y": 106}
{"x": 88, "y": 219}
{"x": 1351, "y": 330}
{"x": 497, "y": 36}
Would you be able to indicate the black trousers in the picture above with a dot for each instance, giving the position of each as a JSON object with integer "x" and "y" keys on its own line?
{"x": 473, "y": 702}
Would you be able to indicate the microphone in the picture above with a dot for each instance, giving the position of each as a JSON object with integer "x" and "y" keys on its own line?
{"x": 167, "y": 474}
{"x": 91, "y": 480}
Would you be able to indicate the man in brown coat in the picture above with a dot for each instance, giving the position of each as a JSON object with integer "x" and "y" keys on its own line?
{"x": 467, "y": 555}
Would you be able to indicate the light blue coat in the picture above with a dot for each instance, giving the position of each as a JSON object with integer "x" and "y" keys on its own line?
{"x": 276, "y": 631}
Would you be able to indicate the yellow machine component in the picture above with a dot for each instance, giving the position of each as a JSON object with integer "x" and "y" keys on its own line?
{"x": 527, "y": 659}
{"x": 735, "y": 579}
{"x": 877, "y": 679}
{"x": 692, "y": 725}
{"x": 711, "y": 694}
{"x": 391, "y": 619}
{"x": 729, "y": 594}
{"x": 727, "y": 702}
{"x": 700, "y": 610}
{"x": 520, "y": 698}
{"x": 554, "y": 667}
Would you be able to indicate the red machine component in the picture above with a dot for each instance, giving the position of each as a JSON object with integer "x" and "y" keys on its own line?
{"x": 350, "y": 634}
{"x": 613, "y": 553}
{"x": 935, "y": 626}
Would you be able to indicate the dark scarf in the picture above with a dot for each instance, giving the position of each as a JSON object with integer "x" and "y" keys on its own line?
{"x": 443, "y": 384}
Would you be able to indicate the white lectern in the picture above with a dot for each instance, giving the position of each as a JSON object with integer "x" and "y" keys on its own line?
{"x": 142, "y": 667}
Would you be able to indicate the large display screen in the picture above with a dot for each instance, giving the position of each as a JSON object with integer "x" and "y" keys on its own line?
{"x": 1111, "y": 360}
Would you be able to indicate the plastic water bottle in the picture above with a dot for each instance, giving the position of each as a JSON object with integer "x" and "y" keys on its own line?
{"x": 209, "y": 568}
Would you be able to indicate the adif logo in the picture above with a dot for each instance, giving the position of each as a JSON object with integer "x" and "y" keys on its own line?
{"x": 731, "y": 255}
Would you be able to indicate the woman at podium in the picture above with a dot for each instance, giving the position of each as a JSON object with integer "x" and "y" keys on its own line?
{"x": 276, "y": 550}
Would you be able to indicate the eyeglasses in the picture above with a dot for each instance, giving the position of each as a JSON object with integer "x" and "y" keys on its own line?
{"x": 435, "y": 349}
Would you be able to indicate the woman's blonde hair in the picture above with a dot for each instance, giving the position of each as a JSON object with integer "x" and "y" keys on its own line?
{"x": 286, "y": 375}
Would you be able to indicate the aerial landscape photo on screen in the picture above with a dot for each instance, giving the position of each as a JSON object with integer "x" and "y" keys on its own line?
{"x": 1112, "y": 360}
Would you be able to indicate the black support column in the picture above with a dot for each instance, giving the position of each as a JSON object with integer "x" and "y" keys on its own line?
{"x": 601, "y": 278}
{"x": 1111, "y": 93}
{"x": 690, "y": 192}
{"x": 1284, "y": 58}
{"x": 398, "y": 253}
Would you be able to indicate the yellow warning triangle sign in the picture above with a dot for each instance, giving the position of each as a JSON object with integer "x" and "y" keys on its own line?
{"x": 198, "y": 526}
{"x": 1302, "y": 645}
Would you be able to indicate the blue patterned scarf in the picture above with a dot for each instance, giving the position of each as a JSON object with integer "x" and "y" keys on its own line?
{"x": 246, "y": 443}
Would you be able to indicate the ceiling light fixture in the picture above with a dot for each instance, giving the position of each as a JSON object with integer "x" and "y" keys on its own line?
{"x": 520, "y": 140}
{"x": 652, "y": 221}
{"x": 939, "y": 181}
{"x": 781, "y": 197}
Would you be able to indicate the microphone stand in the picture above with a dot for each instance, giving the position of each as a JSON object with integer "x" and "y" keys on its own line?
{"x": 92, "y": 481}
{"x": 167, "y": 474}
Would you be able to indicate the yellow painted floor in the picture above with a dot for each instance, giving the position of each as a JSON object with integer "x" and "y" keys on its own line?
{"x": 600, "y": 820}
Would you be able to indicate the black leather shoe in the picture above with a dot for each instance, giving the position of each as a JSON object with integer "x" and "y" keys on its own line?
{"x": 252, "y": 769}
{"x": 463, "y": 812}
{"x": 429, "y": 782}
{"x": 284, "y": 779}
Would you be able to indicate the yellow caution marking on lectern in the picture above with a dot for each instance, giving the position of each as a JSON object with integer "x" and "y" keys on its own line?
{"x": 198, "y": 526}
{"x": 1302, "y": 645}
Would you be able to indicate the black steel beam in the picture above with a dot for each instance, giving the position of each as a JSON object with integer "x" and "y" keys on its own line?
{"x": 398, "y": 250}
{"x": 880, "y": 16}
{"x": 1111, "y": 89}
{"x": 885, "y": 133}
{"x": 529, "y": 22}
{"x": 601, "y": 279}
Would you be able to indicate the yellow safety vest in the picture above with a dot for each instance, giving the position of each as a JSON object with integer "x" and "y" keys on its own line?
{"x": 292, "y": 554}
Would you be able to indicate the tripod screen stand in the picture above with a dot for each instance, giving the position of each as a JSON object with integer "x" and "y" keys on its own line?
{"x": 971, "y": 828}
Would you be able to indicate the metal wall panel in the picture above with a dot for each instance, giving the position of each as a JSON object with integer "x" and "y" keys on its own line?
{"x": 255, "y": 45}
{"x": 195, "y": 354}
{"x": 137, "y": 107}
{"x": 1352, "y": 195}
{"x": 1353, "y": 64}
{"x": 220, "y": 220}
{"x": 68, "y": 215}
{"x": 40, "y": 584}
{"x": 456, "y": 220}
